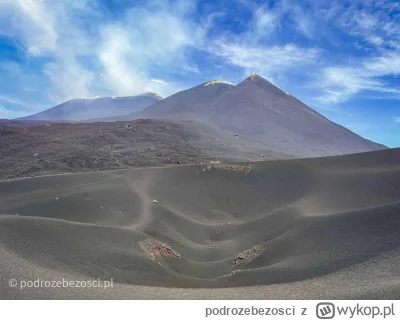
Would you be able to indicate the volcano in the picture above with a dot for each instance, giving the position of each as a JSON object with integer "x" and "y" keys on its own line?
{"x": 259, "y": 110}
{"x": 87, "y": 109}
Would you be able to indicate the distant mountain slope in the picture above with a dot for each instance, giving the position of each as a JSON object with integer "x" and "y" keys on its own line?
{"x": 189, "y": 102}
{"x": 258, "y": 109}
{"x": 86, "y": 109}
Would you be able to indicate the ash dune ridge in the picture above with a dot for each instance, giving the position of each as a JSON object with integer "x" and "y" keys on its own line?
{"x": 213, "y": 226}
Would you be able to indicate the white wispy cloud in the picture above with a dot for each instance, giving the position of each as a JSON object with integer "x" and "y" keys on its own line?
{"x": 304, "y": 20}
{"x": 91, "y": 56}
{"x": 145, "y": 41}
{"x": 340, "y": 83}
{"x": 34, "y": 23}
{"x": 162, "y": 82}
{"x": 267, "y": 61}
{"x": 12, "y": 100}
{"x": 265, "y": 21}
{"x": 20, "y": 104}
{"x": 253, "y": 51}
{"x": 48, "y": 29}
{"x": 6, "y": 113}
{"x": 396, "y": 119}
{"x": 372, "y": 25}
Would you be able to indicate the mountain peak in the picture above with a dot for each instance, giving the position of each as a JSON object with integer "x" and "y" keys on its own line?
{"x": 262, "y": 83}
{"x": 154, "y": 94}
{"x": 256, "y": 78}
{"x": 212, "y": 82}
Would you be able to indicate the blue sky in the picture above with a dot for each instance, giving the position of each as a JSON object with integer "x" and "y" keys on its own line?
{"x": 340, "y": 57}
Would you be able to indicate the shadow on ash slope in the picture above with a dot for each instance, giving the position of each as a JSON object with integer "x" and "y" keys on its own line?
{"x": 216, "y": 226}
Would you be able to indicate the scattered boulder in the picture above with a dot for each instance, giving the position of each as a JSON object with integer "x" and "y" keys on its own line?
{"x": 247, "y": 255}
{"x": 156, "y": 249}
{"x": 155, "y": 201}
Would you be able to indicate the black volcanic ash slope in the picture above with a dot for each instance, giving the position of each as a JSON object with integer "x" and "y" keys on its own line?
{"x": 261, "y": 111}
{"x": 214, "y": 226}
{"x": 86, "y": 109}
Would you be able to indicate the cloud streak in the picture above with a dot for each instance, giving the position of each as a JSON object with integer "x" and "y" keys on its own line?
{"x": 267, "y": 61}
{"x": 341, "y": 83}
{"x": 101, "y": 56}
{"x": 145, "y": 41}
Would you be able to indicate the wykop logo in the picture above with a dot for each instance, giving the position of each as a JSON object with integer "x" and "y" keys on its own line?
{"x": 325, "y": 310}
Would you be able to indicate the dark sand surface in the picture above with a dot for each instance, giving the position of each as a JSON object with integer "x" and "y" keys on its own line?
{"x": 318, "y": 228}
